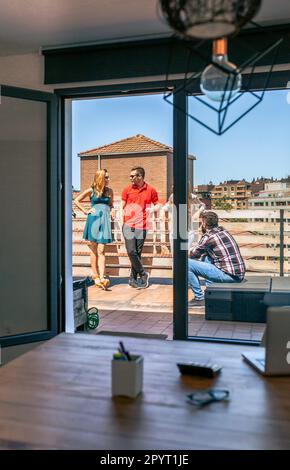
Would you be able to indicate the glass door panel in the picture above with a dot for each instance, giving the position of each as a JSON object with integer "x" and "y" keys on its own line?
{"x": 28, "y": 228}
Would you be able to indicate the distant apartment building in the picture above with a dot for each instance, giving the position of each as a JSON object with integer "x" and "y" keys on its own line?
{"x": 276, "y": 195}
{"x": 258, "y": 185}
{"x": 234, "y": 193}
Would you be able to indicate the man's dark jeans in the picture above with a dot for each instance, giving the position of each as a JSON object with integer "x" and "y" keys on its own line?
{"x": 134, "y": 241}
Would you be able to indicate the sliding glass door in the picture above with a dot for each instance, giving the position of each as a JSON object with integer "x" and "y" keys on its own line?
{"x": 29, "y": 258}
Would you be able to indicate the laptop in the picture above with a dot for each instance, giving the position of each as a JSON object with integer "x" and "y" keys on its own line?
{"x": 274, "y": 357}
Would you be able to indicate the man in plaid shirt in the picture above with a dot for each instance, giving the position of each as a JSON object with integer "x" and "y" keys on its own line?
{"x": 216, "y": 258}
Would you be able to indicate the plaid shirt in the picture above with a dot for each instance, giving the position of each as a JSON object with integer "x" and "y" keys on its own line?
{"x": 223, "y": 250}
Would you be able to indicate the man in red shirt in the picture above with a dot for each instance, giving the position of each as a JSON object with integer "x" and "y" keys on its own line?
{"x": 136, "y": 200}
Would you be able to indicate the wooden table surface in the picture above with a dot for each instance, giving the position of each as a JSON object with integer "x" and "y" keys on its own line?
{"x": 58, "y": 396}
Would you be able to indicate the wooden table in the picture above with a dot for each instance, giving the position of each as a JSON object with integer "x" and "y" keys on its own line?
{"x": 58, "y": 396}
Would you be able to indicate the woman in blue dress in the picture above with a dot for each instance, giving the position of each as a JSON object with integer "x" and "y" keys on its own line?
{"x": 98, "y": 230}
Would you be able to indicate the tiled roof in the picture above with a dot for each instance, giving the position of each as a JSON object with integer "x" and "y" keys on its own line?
{"x": 233, "y": 182}
{"x": 136, "y": 143}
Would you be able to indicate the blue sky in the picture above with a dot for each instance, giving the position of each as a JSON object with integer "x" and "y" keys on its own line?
{"x": 259, "y": 145}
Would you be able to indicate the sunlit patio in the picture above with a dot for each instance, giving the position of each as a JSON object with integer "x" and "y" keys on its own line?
{"x": 149, "y": 312}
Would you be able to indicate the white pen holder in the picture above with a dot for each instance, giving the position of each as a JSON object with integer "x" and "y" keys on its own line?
{"x": 127, "y": 376}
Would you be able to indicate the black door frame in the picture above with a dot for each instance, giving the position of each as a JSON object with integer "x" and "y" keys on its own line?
{"x": 53, "y": 210}
{"x": 179, "y": 175}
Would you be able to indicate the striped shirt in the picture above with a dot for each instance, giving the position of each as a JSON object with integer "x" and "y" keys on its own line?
{"x": 223, "y": 251}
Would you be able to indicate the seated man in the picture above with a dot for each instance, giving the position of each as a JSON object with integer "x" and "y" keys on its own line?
{"x": 216, "y": 258}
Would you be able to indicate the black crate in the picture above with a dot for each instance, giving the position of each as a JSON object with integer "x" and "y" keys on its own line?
{"x": 249, "y": 307}
{"x": 237, "y": 301}
{"x": 218, "y": 305}
{"x": 80, "y": 300}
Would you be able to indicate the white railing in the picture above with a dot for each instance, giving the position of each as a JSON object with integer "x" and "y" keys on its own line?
{"x": 263, "y": 237}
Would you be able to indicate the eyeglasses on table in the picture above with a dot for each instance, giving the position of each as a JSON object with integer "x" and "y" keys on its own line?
{"x": 205, "y": 397}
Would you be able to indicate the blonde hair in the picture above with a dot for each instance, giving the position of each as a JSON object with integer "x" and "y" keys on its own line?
{"x": 98, "y": 185}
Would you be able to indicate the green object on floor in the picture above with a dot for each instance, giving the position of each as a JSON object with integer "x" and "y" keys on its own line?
{"x": 93, "y": 318}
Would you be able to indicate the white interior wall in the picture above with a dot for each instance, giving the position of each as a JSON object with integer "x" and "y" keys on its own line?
{"x": 26, "y": 71}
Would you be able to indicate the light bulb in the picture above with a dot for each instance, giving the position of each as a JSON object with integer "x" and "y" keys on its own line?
{"x": 216, "y": 84}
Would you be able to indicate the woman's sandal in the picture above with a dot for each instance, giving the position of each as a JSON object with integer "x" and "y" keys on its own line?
{"x": 97, "y": 281}
{"x": 105, "y": 283}
{"x": 102, "y": 283}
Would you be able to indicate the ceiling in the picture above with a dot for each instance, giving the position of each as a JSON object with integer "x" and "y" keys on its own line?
{"x": 26, "y": 26}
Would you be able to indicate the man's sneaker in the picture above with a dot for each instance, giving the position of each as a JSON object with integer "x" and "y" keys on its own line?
{"x": 196, "y": 303}
{"x": 144, "y": 281}
{"x": 133, "y": 282}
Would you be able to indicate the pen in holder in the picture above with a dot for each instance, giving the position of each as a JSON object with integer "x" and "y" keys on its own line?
{"x": 127, "y": 374}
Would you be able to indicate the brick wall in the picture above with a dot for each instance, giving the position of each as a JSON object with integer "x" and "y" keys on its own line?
{"x": 119, "y": 167}
{"x": 169, "y": 174}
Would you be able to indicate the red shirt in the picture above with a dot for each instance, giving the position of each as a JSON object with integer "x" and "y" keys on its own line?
{"x": 137, "y": 200}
